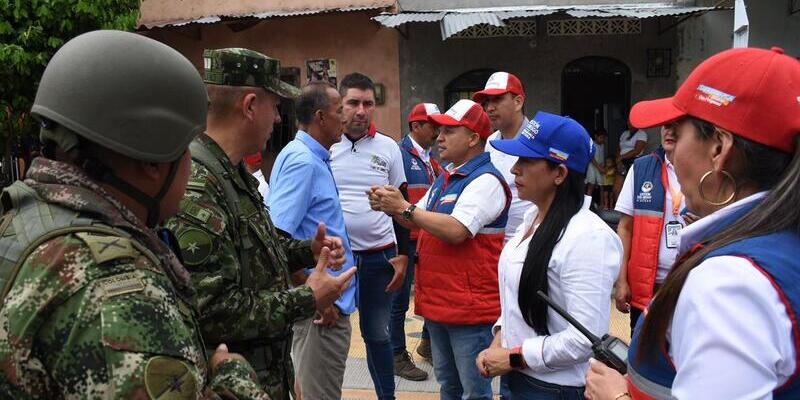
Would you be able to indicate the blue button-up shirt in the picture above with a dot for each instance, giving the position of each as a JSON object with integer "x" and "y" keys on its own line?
{"x": 303, "y": 194}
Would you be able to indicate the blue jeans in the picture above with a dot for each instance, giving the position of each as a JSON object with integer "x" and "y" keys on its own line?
{"x": 374, "y": 310}
{"x": 455, "y": 348}
{"x": 524, "y": 387}
{"x": 400, "y": 301}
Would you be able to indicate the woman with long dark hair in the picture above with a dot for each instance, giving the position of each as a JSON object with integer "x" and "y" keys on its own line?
{"x": 562, "y": 249}
{"x": 724, "y": 323}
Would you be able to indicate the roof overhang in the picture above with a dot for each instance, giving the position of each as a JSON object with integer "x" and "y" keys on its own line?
{"x": 453, "y": 21}
{"x": 165, "y": 13}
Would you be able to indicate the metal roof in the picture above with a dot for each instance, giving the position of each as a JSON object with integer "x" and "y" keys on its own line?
{"x": 455, "y": 20}
{"x": 260, "y": 15}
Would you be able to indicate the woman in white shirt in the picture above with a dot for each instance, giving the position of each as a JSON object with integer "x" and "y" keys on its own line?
{"x": 562, "y": 249}
{"x": 723, "y": 325}
{"x": 631, "y": 145}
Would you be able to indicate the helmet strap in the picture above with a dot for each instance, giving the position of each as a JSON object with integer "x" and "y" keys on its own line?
{"x": 151, "y": 203}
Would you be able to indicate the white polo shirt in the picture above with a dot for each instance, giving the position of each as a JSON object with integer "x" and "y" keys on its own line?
{"x": 357, "y": 166}
{"x": 581, "y": 274}
{"x": 730, "y": 336}
{"x": 503, "y": 162}
{"x": 666, "y": 255}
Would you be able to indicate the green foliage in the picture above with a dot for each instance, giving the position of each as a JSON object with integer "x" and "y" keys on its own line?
{"x": 30, "y": 33}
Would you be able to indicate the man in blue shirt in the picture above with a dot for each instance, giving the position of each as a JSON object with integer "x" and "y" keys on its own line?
{"x": 303, "y": 194}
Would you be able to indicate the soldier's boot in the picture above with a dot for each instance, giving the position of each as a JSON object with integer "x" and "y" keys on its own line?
{"x": 404, "y": 367}
{"x": 424, "y": 349}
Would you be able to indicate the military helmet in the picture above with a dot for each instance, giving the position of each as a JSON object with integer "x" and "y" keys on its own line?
{"x": 126, "y": 92}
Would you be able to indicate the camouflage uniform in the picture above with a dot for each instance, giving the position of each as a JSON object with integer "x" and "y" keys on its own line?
{"x": 239, "y": 263}
{"x": 99, "y": 306}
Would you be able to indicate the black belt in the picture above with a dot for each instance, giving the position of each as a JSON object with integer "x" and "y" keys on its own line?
{"x": 380, "y": 249}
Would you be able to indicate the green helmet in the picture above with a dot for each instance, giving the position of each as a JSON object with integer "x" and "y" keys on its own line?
{"x": 126, "y": 92}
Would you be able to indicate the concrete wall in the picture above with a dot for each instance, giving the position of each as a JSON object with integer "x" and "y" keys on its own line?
{"x": 704, "y": 35}
{"x": 700, "y": 37}
{"x": 356, "y": 42}
{"x": 429, "y": 64}
{"x": 772, "y": 25}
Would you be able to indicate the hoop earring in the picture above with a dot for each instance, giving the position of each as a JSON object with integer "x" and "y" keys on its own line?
{"x": 702, "y": 193}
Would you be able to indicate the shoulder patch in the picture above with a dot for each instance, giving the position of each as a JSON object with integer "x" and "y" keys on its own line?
{"x": 106, "y": 248}
{"x": 196, "y": 245}
{"x": 169, "y": 378}
{"x": 129, "y": 282}
{"x": 196, "y": 211}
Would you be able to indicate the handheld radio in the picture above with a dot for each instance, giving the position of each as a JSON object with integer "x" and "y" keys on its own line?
{"x": 612, "y": 351}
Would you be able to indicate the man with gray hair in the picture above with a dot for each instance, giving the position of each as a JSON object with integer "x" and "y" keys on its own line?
{"x": 303, "y": 195}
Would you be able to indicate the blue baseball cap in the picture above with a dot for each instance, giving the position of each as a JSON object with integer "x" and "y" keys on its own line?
{"x": 552, "y": 137}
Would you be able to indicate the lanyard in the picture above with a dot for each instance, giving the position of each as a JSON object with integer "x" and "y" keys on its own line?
{"x": 677, "y": 195}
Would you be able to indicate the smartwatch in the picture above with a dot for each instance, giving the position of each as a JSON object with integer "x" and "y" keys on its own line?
{"x": 408, "y": 211}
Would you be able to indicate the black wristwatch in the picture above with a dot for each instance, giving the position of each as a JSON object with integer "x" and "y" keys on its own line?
{"x": 516, "y": 360}
{"x": 408, "y": 211}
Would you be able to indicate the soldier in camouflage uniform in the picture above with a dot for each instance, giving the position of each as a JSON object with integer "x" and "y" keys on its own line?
{"x": 239, "y": 262}
{"x": 95, "y": 304}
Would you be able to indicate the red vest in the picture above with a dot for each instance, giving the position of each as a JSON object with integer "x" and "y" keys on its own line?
{"x": 457, "y": 284}
{"x": 419, "y": 175}
{"x": 649, "y": 205}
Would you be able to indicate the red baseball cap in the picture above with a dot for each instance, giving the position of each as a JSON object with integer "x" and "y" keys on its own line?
{"x": 465, "y": 113}
{"x": 253, "y": 159}
{"x": 500, "y": 83}
{"x": 422, "y": 111}
{"x": 753, "y": 93}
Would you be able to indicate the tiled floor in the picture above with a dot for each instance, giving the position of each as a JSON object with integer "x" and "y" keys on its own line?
{"x": 358, "y": 384}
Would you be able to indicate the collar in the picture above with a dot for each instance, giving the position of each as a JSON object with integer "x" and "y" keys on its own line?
{"x": 522, "y": 127}
{"x": 419, "y": 148}
{"x": 215, "y": 149}
{"x": 716, "y": 222}
{"x": 471, "y": 165}
{"x": 372, "y": 130}
{"x": 238, "y": 173}
{"x": 499, "y": 135}
{"x": 67, "y": 185}
{"x": 313, "y": 145}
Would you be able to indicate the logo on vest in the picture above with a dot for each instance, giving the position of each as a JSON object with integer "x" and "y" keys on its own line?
{"x": 450, "y": 198}
{"x": 644, "y": 195}
{"x": 415, "y": 165}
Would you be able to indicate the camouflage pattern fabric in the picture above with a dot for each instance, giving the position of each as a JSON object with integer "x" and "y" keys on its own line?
{"x": 243, "y": 67}
{"x": 240, "y": 266}
{"x": 101, "y": 316}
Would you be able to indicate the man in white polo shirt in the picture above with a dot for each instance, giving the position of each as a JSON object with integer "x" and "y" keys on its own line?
{"x": 503, "y": 98}
{"x": 366, "y": 158}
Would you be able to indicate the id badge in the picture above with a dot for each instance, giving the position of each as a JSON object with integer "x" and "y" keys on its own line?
{"x": 673, "y": 228}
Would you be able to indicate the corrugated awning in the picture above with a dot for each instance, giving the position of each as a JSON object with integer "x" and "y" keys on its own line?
{"x": 154, "y": 22}
{"x": 453, "y": 21}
